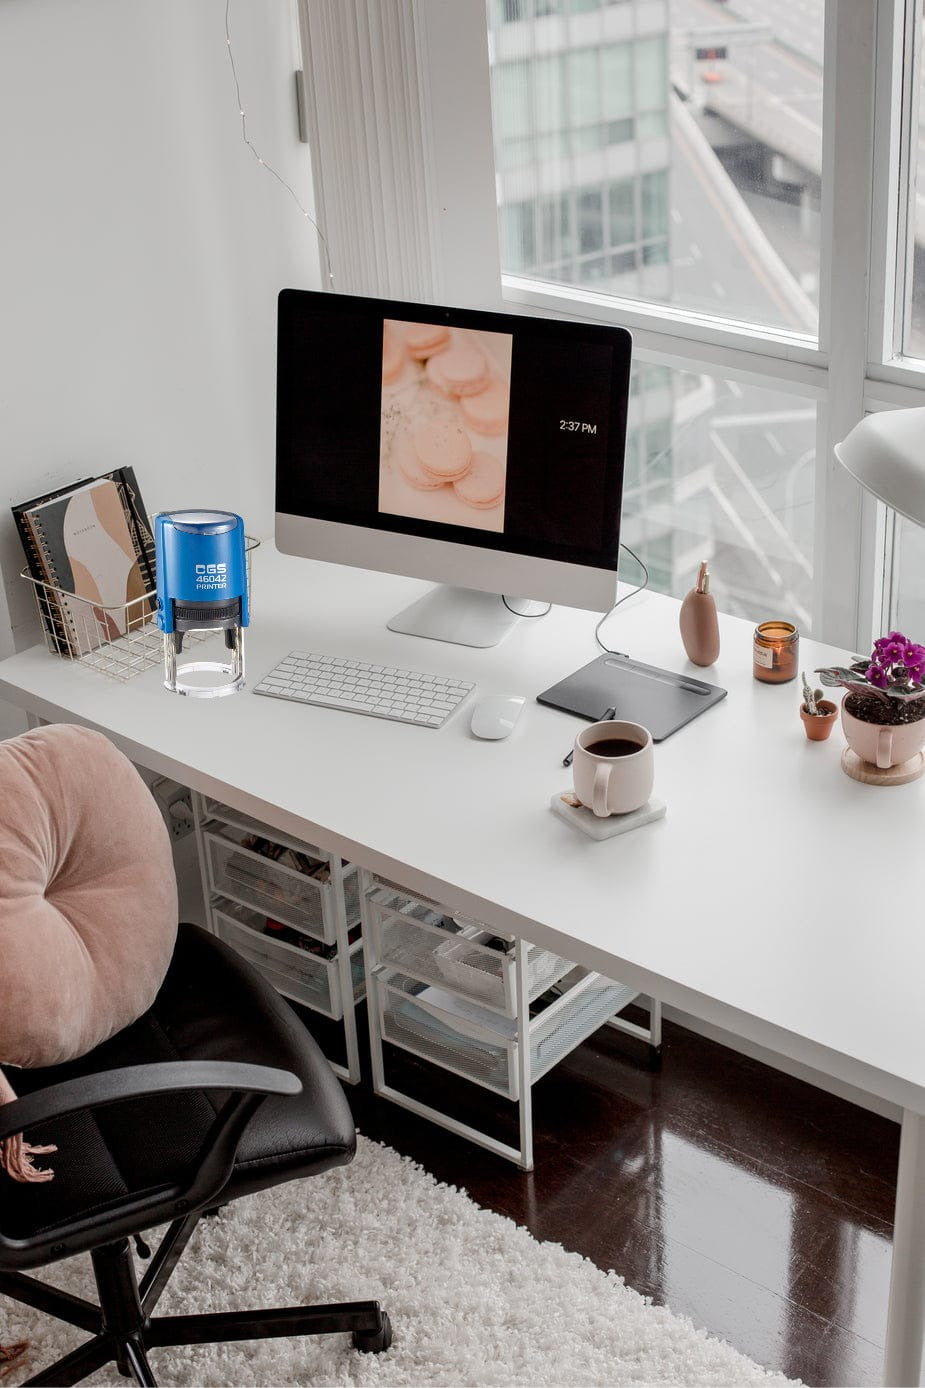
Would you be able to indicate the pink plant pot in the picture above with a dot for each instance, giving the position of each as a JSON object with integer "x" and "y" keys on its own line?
{"x": 882, "y": 744}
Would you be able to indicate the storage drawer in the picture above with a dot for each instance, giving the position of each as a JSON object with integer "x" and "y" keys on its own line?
{"x": 426, "y": 1030}
{"x": 294, "y": 898}
{"x": 414, "y": 937}
{"x": 308, "y": 978}
{"x": 216, "y": 809}
{"x": 573, "y": 1018}
{"x": 483, "y": 1048}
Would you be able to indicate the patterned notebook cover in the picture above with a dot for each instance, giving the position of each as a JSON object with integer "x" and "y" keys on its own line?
{"x": 50, "y": 608}
{"x": 88, "y": 551}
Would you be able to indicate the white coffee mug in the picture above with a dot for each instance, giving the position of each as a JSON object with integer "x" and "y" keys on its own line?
{"x": 614, "y": 767}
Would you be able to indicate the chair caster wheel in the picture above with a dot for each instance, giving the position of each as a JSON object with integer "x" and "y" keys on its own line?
{"x": 374, "y": 1341}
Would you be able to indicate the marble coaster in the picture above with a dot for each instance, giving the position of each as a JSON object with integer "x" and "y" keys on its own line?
{"x": 595, "y": 828}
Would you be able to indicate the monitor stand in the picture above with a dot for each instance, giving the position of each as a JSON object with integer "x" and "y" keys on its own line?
{"x": 463, "y": 616}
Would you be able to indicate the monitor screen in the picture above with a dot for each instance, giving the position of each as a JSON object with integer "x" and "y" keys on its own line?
{"x": 477, "y": 434}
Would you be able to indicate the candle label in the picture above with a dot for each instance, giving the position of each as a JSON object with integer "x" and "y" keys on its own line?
{"x": 764, "y": 656}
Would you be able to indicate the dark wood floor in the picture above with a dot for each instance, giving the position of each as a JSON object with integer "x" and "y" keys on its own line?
{"x": 755, "y": 1204}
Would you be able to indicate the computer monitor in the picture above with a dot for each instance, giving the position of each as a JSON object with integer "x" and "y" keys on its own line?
{"x": 481, "y": 450}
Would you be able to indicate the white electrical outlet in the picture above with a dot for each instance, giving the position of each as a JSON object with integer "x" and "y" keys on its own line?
{"x": 176, "y": 806}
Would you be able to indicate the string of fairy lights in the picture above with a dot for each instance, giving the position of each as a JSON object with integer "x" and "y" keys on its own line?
{"x": 258, "y": 156}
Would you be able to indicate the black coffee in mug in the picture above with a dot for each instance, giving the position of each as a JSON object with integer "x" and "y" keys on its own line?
{"x": 614, "y": 747}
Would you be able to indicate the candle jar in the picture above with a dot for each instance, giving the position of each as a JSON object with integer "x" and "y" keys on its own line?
{"x": 776, "y": 648}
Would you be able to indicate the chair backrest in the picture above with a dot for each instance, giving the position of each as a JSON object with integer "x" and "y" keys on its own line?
{"x": 88, "y": 897}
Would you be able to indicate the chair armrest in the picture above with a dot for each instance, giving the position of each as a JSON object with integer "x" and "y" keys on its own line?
{"x": 136, "y": 1081}
{"x": 206, "y": 1175}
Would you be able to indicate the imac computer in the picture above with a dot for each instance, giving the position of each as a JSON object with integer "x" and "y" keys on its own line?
{"x": 481, "y": 450}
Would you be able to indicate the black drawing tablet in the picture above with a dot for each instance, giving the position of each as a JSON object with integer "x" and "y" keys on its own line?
{"x": 658, "y": 699}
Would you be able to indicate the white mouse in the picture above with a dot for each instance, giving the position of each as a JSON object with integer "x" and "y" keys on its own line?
{"x": 495, "y": 715}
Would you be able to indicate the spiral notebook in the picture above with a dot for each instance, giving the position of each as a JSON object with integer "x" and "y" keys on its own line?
{"x": 85, "y": 548}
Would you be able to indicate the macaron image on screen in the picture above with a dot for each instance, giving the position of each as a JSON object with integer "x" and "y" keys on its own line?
{"x": 443, "y": 436}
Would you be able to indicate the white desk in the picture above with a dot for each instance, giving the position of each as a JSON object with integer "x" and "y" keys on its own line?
{"x": 777, "y": 899}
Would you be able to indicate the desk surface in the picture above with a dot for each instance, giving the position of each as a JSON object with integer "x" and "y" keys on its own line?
{"x": 775, "y": 899}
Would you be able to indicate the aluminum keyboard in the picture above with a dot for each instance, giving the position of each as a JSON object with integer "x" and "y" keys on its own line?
{"x": 383, "y": 691}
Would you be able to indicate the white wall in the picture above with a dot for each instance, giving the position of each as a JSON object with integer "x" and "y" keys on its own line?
{"x": 141, "y": 251}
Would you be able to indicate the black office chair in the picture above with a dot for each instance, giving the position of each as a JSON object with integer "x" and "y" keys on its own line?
{"x": 216, "y": 1092}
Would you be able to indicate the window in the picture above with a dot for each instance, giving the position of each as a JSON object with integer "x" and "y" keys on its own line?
{"x": 714, "y": 204}
{"x": 661, "y": 164}
{"x": 704, "y": 480}
{"x": 715, "y": 113}
{"x": 913, "y": 336}
{"x": 906, "y": 608}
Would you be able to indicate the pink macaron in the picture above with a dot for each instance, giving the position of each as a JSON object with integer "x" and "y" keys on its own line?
{"x": 487, "y": 412}
{"x": 411, "y": 468}
{"x": 393, "y": 355}
{"x": 423, "y": 339}
{"x": 460, "y": 370}
{"x": 483, "y": 484}
{"x": 443, "y": 450}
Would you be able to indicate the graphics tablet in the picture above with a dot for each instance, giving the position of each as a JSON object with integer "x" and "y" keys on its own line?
{"x": 658, "y": 699}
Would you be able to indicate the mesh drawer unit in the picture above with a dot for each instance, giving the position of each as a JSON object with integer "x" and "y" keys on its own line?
{"x": 484, "y": 1050}
{"x": 300, "y": 897}
{"x": 307, "y": 978}
{"x": 417, "y": 938}
{"x": 289, "y": 907}
{"x": 496, "y": 1012}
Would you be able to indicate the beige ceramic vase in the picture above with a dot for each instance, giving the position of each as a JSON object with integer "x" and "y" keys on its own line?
{"x": 698, "y": 622}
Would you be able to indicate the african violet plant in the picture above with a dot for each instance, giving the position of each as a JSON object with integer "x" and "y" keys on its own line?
{"x": 887, "y": 685}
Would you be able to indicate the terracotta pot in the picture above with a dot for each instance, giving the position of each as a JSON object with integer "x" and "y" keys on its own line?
{"x": 819, "y": 725}
{"x": 882, "y": 744}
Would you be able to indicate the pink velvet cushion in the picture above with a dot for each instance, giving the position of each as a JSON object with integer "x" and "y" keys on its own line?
{"x": 88, "y": 898}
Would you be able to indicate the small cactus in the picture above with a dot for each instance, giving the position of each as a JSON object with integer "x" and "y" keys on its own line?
{"x": 811, "y": 697}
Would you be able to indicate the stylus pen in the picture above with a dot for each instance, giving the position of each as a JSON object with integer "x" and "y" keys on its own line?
{"x": 608, "y": 713}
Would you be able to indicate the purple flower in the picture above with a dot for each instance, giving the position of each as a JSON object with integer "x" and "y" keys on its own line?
{"x": 891, "y": 649}
{"x": 896, "y": 661}
{"x": 914, "y": 660}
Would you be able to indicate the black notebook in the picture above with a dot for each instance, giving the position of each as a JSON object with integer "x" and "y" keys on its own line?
{"x": 658, "y": 699}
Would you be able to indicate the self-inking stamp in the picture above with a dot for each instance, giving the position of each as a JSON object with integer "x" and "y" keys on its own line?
{"x": 201, "y": 586}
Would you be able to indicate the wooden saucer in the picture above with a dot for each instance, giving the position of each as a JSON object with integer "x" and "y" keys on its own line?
{"x": 872, "y": 775}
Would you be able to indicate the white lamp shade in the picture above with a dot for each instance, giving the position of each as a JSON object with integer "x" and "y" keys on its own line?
{"x": 885, "y": 452}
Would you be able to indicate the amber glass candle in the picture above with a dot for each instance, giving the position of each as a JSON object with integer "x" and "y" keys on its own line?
{"x": 776, "y": 650}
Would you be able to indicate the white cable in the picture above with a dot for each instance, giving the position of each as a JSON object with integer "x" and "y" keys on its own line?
{"x": 256, "y": 153}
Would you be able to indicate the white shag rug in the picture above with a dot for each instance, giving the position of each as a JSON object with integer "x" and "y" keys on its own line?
{"x": 474, "y": 1298}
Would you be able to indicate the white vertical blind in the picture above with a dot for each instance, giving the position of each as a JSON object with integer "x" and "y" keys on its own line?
{"x": 399, "y": 120}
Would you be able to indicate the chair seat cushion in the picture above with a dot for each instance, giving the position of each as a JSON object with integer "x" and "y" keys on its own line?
{"x": 212, "y": 1006}
{"x": 88, "y": 898}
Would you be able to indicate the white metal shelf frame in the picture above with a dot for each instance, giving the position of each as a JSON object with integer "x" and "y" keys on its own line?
{"x": 516, "y": 1039}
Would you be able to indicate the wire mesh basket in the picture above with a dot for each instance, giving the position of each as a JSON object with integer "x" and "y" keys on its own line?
{"x": 119, "y": 641}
